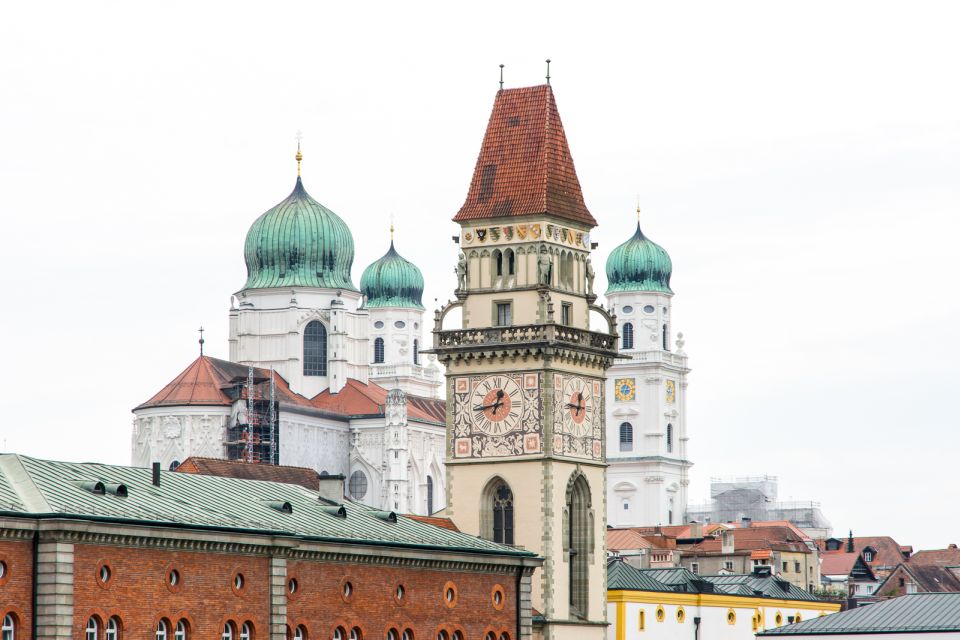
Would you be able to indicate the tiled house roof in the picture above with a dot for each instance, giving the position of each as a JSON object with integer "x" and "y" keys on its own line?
{"x": 525, "y": 167}
{"x": 302, "y": 476}
{"x": 750, "y": 539}
{"x": 625, "y": 539}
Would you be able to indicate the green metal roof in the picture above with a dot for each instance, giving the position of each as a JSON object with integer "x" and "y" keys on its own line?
{"x": 621, "y": 575}
{"x": 392, "y": 281}
{"x": 299, "y": 243}
{"x": 914, "y": 613}
{"x": 33, "y": 487}
{"x": 639, "y": 264}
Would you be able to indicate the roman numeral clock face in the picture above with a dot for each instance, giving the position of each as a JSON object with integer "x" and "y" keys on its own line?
{"x": 578, "y": 407}
{"x": 496, "y": 405}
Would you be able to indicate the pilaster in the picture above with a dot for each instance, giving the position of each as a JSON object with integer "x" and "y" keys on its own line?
{"x": 54, "y": 612}
{"x": 278, "y": 598}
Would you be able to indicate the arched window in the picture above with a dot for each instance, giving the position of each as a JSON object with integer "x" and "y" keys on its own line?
{"x": 9, "y": 628}
{"x": 416, "y": 351}
{"x": 511, "y": 262}
{"x": 162, "y": 630}
{"x": 642, "y": 623}
{"x": 496, "y": 515}
{"x": 378, "y": 350}
{"x": 246, "y": 631}
{"x": 315, "y": 349}
{"x": 93, "y": 629}
{"x": 666, "y": 338}
{"x": 627, "y": 335}
{"x": 578, "y": 541}
{"x": 669, "y": 438}
{"x": 227, "y": 633}
{"x": 181, "y": 631}
{"x": 670, "y": 512}
{"x": 429, "y": 496}
{"x": 113, "y": 629}
{"x": 626, "y": 437}
{"x": 497, "y": 263}
{"x": 300, "y": 633}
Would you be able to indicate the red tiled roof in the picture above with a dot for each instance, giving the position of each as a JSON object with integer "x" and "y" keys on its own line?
{"x": 678, "y": 530}
{"x": 207, "y": 380}
{"x": 761, "y": 554}
{"x": 524, "y": 167}
{"x": 943, "y": 557}
{"x": 777, "y": 523}
{"x": 443, "y": 523}
{"x": 748, "y": 539}
{"x": 888, "y": 553}
{"x": 837, "y": 563}
{"x": 620, "y": 539}
{"x": 358, "y": 399}
{"x": 248, "y": 471}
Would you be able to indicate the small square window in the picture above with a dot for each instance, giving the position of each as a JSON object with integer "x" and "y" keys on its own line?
{"x": 566, "y": 311}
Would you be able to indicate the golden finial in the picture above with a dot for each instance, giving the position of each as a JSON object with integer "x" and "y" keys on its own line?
{"x": 391, "y": 228}
{"x": 299, "y": 155}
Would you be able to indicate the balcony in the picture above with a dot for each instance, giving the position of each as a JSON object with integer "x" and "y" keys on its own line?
{"x": 526, "y": 336}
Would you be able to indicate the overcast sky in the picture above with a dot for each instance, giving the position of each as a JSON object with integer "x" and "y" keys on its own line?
{"x": 799, "y": 162}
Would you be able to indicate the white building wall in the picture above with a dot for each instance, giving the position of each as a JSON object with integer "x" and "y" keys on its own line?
{"x": 651, "y": 475}
{"x": 714, "y": 624}
{"x": 173, "y": 434}
{"x": 399, "y": 327}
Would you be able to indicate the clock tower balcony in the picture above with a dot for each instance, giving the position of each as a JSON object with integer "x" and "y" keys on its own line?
{"x": 532, "y": 338}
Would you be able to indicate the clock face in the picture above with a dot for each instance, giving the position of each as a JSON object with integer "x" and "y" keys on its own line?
{"x": 496, "y": 405}
{"x": 624, "y": 389}
{"x": 578, "y": 407}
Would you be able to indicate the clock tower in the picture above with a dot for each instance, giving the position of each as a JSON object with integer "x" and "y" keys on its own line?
{"x": 525, "y": 374}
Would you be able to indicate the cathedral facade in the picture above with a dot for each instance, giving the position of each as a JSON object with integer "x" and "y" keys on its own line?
{"x": 321, "y": 374}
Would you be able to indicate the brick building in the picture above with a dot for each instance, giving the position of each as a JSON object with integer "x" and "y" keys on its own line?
{"x": 106, "y": 552}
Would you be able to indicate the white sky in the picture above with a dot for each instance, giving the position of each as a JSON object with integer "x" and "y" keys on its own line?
{"x": 799, "y": 161}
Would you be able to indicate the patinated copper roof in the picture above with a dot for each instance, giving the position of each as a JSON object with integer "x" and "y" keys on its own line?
{"x": 525, "y": 167}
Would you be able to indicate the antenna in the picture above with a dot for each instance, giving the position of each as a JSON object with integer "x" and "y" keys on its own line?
{"x": 548, "y": 70}
{"x": 501, "y": 77}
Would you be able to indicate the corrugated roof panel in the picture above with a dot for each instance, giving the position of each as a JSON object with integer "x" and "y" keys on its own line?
{"x": 910, "y": 613}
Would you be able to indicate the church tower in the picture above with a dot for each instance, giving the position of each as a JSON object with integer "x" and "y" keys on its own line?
{"x": 525, "y": 375}
{"x": 646, "y": 417}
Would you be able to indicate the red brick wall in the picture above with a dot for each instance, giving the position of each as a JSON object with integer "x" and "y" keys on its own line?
{"x": 16, "y": 586}
{"x": 320, "y": 607}
{"x": 138, "y": 592}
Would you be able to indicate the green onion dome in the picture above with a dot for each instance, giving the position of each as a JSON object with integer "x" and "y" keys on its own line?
{"x": 299, "y": 243}
{"x": 639, "y": 264}
{"x": 392, "y": 281}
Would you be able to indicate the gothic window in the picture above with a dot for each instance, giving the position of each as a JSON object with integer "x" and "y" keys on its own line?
{"x": 578, "y": 542}
{"x": 378, "y": 350}
{"x": 511, "y": 262}
{"x": 416, "y": 352}
{"x": 358, "y": 484}
{"x": 429, "y": 496}
{"x": 496, "y": 515}
{"x": 9, "y": 628}
{"x": 315, "y": 349}
{"x": 669, "y": 438}
{"x": 498, "y": 263}
{"x": 628, "y": 335}
{"x": 626, "y": 437}
{"x": 666, "y": 338}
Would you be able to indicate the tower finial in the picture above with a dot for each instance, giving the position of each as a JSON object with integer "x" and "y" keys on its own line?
{"x": 200, "y": 330}
{"x": 548, "y": 70}
{"x": 299, "y": 155}
{"x": 391, "y": 229}
{"x": 501, "y": 77}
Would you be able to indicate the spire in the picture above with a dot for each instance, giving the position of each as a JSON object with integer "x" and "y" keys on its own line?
{"x": 299, "y": 155}
{"x": 200, "y": 330}
{"x": 524, "y": 167}
{"x": 391, "y": 230}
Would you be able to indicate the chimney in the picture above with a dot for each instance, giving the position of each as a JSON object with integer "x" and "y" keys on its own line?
{"x": 696, "y": 529}
{"x": 156, "y": 474}
{"x": 727, "y": 544}
{"x": 745, "y": 522}
{"x": 331, "y": 488}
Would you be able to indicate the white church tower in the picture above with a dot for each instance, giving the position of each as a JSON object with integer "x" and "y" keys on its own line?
{"x": 647, "y": 479}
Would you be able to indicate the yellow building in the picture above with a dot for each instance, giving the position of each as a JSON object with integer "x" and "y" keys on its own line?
{"x": 651, "y": 604}
{"x": 525, "y": 375}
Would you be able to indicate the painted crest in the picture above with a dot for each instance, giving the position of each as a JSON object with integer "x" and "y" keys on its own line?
{"x": 494, "y": 233}
{"x": 522, "y": 231}
{"x": 535, "y": 231}
{"x": 482, "y": 235}
{"x": 508, "y": 233}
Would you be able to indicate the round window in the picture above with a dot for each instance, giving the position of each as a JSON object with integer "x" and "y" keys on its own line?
{"x": 358, "y": 484}
{"x": 292, "y": 585}
{"x": 347, "y": 589}
{"x": 3, "y": 569}
{"x": 399, "y": 324}
{"x": 627, "y": 309}
{"x": 400, "y": 592}
{"x": 648, "y": 308}
{"x": 173, "y": 578}
{"x": 238, "y": 581}
{"x": 103, "y": 574}
{"x": 378, "y": 324}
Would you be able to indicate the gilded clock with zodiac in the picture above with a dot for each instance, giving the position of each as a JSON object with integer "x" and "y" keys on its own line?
{"x": 671, "y": 391}
{"x": 625, "y": 389}
{"x": 496, "y": 405}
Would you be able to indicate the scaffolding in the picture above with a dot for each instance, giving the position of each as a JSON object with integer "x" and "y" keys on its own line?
{"x": 254, "y": 428}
